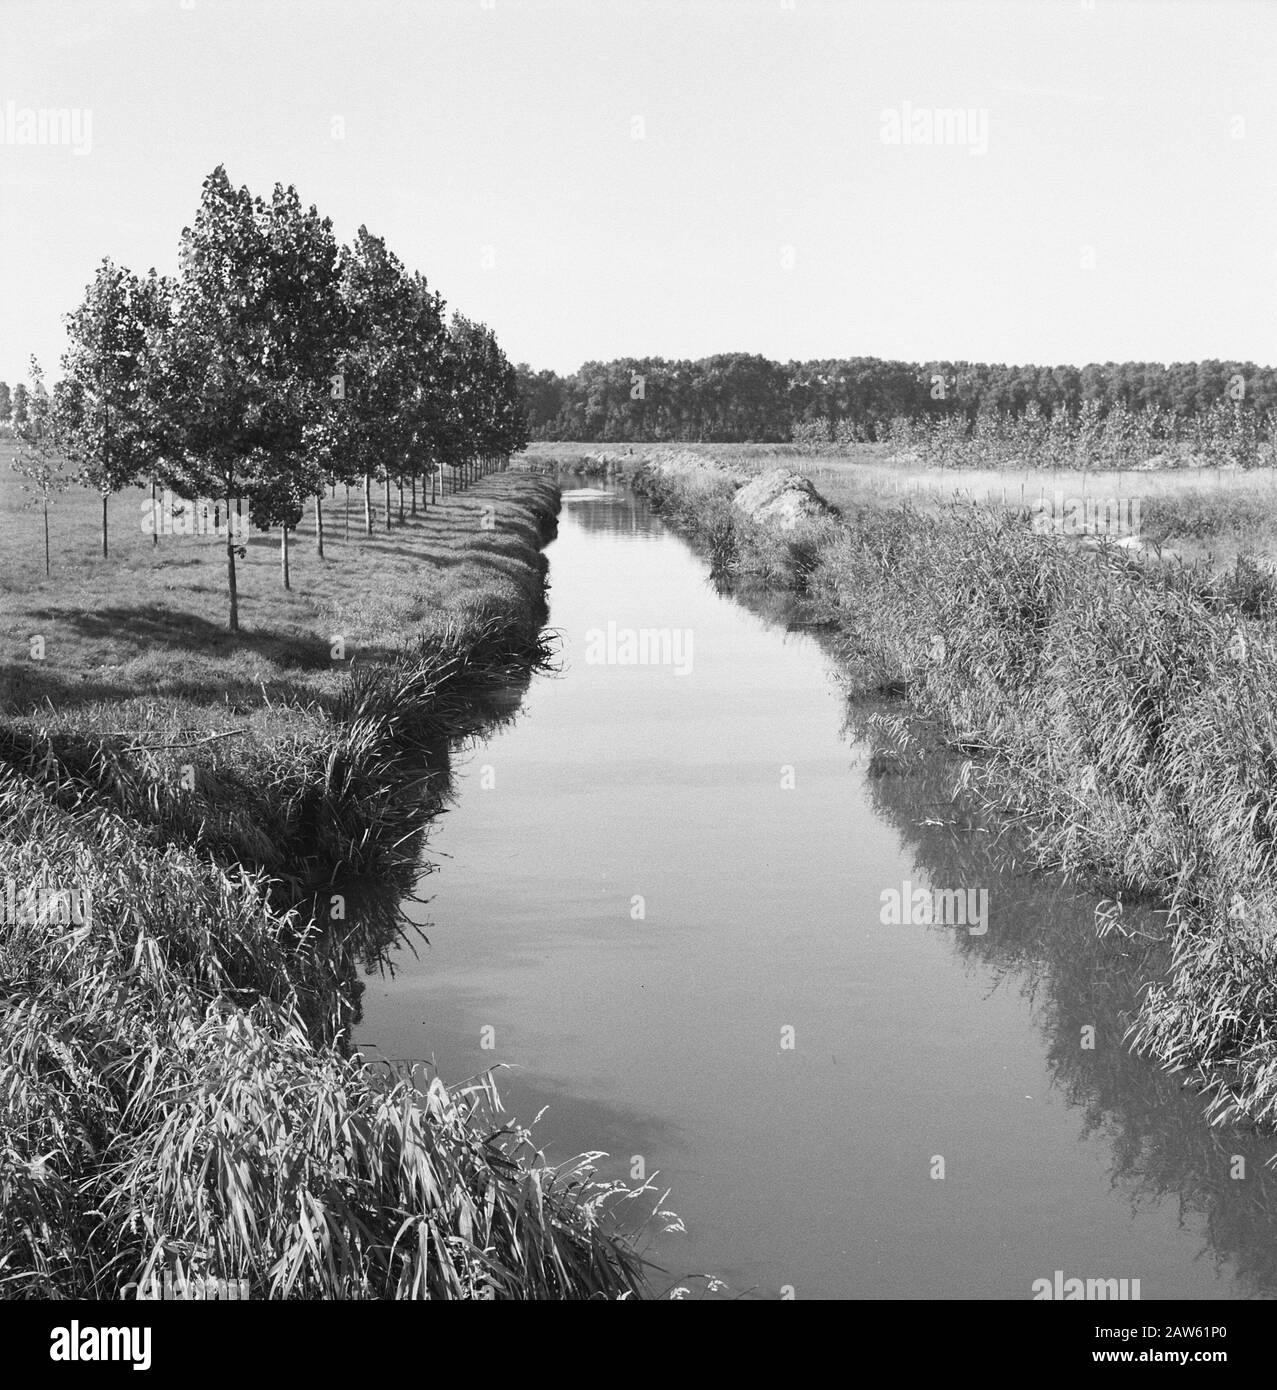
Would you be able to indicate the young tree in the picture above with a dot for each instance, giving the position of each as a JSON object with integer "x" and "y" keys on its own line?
{"x": 490, "y": 414}
{"x": 470, "y": 364}
{"x": 425, "y": 414}
{"x": 39, "y": 458}
{"x": 244, "y": 366}
{"x": 366, "y": 432}
{"x": 6, "y": 403}
{"x": 511, "y": 424}
{"x": 278, "y": 500}
{"x": 104, "y": 422}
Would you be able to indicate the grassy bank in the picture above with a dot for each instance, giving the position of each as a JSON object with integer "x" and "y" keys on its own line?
{"x": 1121, "y": 713}
{"x": 243, "y": 818}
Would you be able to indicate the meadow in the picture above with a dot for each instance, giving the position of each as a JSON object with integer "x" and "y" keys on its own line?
{"x": 154, "y": 616}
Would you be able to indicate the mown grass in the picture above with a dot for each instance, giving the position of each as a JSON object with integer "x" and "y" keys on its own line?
{"x": 153, "y": 620}
{"x": 177, "y": 1083}
{"x": 1121, "y": 711}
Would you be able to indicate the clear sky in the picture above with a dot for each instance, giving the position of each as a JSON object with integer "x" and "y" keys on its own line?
{"x": 1123, "y": 205}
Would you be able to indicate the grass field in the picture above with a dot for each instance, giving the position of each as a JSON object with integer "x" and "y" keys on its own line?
{"x": 148, "y": 624}
{"x": 1196, "y": 514}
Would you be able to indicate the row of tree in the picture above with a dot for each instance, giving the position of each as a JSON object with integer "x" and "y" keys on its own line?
{"x": 1225, "y": 434}
{"x": 738, "y": 397}
{"x": 275, "y": 365}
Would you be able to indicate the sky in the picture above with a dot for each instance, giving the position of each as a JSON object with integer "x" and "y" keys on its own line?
{"x": 607, "y": 178}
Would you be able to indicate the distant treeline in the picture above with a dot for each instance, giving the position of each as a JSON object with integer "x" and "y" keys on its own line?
{"x": 734, "y": 397}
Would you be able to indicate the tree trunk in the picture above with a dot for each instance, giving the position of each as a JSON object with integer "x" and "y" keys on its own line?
{"x": 387, "y": 499}
{"x": 368, "y": 503}
{"x": 434, "y": 478}
{"x": 347, "y": 511}
{"x": 230, "y": 567}
{"x": 283, "y": 555}
{"x": 155, "y": 517}
{"x": 106, "y": 459}
{"x": 47, "y": 570}
{"x": 401, "y": 499}
{"x": 319, "y": 523}
{"x": 412, "y": 485}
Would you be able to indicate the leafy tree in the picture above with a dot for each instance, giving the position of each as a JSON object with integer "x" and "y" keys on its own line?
{"x": 278, "y": 500}
{"x": 244, "y": 365}
{"x": 366, "y": 431}
{"x": 39, "y": 458}
{"x": 426, "y": 413}
{"x": 105, "y": 422}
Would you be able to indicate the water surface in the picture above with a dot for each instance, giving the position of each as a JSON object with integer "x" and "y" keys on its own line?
{"x": 659, "y": 897}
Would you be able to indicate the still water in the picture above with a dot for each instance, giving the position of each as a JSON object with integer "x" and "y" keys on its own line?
{"x": 659, "y": 896}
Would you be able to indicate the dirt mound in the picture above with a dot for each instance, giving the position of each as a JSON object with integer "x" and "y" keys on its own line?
{"x": 781, "y": 498}
{"x": 694, "y": 472}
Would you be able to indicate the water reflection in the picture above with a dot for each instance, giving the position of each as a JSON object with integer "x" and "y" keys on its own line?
{"x": 605, "y": 513}
{"x": 1083, "y": 986}
{"x": 657, "y": 1038}
{"x": 375, "y": 917}
{"x": 1043, "y": 941}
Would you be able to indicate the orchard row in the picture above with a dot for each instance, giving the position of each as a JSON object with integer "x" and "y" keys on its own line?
{"x": 275, "y": 365}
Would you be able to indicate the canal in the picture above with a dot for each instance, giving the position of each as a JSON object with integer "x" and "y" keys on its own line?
{"x": 659, "y": 897}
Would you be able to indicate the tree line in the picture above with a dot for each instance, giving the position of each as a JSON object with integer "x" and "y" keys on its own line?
{"x": 1224, "y": 434}
{"x": 275, "y": 365}
{"x": 738, "y": 397}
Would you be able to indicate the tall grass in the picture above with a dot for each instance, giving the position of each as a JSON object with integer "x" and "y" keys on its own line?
{"x": 169, "y": 1102}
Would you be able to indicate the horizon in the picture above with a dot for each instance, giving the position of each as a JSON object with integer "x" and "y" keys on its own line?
{"x": 995, "y": 182}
